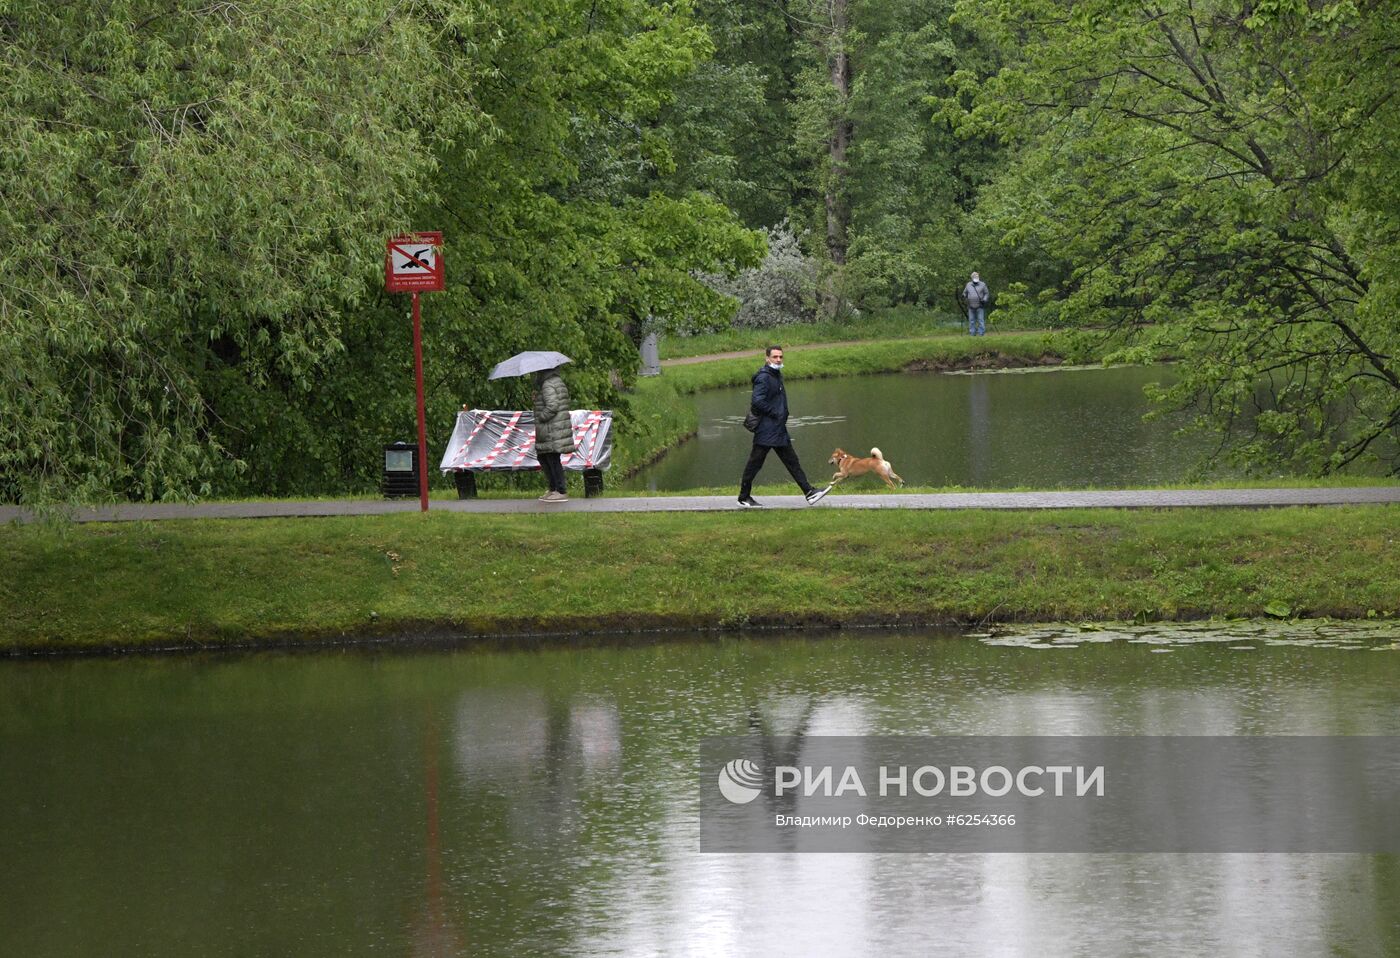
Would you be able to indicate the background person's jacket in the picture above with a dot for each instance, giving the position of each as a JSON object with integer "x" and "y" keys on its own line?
{"x": 553, "y": 429}
{"x": 769, "y": 403}
{"x": 975, "y": 294}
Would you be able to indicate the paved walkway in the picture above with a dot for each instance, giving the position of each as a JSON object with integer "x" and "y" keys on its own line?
{"x": 757, "y": 352}
{"x": 1110, "y": 499}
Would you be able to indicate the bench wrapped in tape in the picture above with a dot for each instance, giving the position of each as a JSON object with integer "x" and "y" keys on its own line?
{"x": 504, "y": 440}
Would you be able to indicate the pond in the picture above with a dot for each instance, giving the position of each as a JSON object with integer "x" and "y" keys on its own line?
{"x": 1044, "y": 428}
{"x": 542, "y": 802}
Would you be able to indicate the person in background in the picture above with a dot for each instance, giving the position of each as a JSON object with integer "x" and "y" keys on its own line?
{"x": 769, "y": 404}
{"x": 554, "y": 433}
{"x": 975, "y": 296}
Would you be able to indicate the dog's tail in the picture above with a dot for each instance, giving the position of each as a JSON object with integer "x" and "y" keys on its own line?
{"x": 877, "y": 454}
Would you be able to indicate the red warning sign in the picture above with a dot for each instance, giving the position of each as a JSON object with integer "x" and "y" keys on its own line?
{"x": 413, "y": 263}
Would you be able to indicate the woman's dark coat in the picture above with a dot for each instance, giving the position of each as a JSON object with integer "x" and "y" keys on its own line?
{"x": 553, "y": 428}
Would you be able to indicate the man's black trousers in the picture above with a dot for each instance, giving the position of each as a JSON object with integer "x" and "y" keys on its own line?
{"x": 760, "y": 453}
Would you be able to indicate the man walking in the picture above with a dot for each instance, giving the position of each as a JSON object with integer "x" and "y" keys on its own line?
{"x": 769, "y": 404}
{"x": 975, "y": 295}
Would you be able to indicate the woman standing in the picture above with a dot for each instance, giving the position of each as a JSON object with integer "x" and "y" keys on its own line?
{"x": 554, "y": 433}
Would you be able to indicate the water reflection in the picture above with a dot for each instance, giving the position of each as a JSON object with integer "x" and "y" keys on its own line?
{"x": 433, "y": 935}
{"x": 979, "y": 428}
{"x": 535, "y": 753}
{"x": 819, "y": 905}
{"x": 1064, "y": 428}
{"x": 544, "y": 803}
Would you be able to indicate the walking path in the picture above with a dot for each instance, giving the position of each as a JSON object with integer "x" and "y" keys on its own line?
{"x": 1110, "y": 499}
{"x": 757, "y": 352}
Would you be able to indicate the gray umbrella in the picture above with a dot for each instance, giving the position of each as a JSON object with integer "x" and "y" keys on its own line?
{"x": 532, "y": 362}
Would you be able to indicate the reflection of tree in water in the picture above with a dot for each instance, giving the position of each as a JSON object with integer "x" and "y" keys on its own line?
{"x": 780, "y": 748}
{"x": 979, "y": 429}
{"x": 524, "y": 756}
{"x": 535, "y": 751}
{"x": 433, "y": 935}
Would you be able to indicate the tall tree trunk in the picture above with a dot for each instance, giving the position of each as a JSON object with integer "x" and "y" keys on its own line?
{"x": 838, "y": 214}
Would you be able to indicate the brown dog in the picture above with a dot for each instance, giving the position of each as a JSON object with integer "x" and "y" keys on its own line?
{"x": 848, "y": 465}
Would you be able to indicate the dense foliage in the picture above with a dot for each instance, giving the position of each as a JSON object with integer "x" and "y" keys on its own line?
{"x": 1228, "y": 175}
{"x": 196, "y": 196}
{"x": 779, "y": 291}
{"x": 189, "y": 188}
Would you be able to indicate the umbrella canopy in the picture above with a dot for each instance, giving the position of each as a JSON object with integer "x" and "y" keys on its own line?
{"x": 531, "y": 362}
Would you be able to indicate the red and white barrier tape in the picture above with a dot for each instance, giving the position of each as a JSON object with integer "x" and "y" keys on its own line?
{"x": 486, "y": 460}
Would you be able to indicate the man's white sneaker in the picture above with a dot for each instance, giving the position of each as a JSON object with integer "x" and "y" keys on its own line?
{"x": 816, "y": 495}
{"x": 750, "y": 503}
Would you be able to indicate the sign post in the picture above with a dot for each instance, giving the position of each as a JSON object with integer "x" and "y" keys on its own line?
{"x": 413, "y": 264}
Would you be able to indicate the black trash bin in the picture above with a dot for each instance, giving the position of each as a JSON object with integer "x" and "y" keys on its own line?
{"x": 400, "y": 471}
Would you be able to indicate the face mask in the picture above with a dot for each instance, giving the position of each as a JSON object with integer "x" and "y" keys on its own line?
{"x": 775, "y": 365}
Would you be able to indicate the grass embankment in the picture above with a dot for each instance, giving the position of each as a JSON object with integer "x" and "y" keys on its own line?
{"x": 124, "y": 586}
{"x": 661, "y": 414}
{"x": 898, "y": 322}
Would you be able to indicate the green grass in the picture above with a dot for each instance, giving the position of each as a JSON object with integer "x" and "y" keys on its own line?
{"x": 945, "y": 351}
{"x": 900, "y": 322}
{"x": 868, "y": 485}
{"x": 135, "y": 585}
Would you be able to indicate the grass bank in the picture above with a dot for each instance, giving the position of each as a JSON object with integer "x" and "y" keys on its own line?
{"x": 223, "y": 582}
{"x": 661, "y": 414}
{"x": 897, "y": 322}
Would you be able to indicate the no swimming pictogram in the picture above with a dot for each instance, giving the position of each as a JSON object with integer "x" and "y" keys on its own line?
{"x": 413, "y": 263}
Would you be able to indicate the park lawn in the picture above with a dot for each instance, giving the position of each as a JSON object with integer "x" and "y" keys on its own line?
{"x": 947, "y": 350}
{"x": 896, "y": 322}
{"x": 869, "y": 485}
{"x": 303, "y": 581}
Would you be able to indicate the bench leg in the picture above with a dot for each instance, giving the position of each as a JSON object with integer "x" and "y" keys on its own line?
{"x": 466, "y": 483}
{"x": 592, "y": 483}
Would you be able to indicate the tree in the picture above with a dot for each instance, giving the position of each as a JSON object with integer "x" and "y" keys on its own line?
{"x": 197, "y": 196}
{"x": 566, "y": 229}
{"x": 888, "y": 182}
{"x": 1227, "y": 176}
{"x": 822, "y": 93}
{"x": 912, "y": 180}
{"x": 729, "y": 126}
{"x": 191, "y": 184}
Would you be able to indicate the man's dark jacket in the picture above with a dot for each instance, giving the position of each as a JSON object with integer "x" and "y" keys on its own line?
{"x": 769, "y": 402}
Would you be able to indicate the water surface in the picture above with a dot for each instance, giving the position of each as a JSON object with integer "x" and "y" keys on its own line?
{"x": 1046, "y": 428}
{"x": 543, "y": 802}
